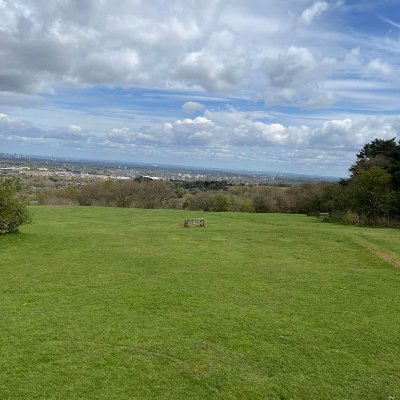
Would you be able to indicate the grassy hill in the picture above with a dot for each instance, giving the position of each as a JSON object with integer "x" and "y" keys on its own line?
{"x": 102, "y": 303}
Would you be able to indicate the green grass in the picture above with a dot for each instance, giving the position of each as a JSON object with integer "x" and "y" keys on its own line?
{"x": 102, "y": 303}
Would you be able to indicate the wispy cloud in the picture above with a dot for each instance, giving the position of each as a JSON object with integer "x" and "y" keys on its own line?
{"x": 389, "y": 21}
{"x": 311, "y": 13}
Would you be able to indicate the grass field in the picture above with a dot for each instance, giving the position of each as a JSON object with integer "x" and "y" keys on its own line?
{"x": 102, "y": 303}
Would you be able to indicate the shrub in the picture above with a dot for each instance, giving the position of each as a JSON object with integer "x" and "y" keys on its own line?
{"x": 13, "y": 211}
{"x": 210, "y": 201}
{"x": 351, "y": 217}
{"x": 246, "y": 206}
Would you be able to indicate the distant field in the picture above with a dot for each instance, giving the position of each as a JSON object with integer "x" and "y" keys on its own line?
{"x": 103, "y": 303}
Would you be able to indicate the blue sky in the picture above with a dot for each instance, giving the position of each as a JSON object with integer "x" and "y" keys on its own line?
{"x": 291, "y": 85}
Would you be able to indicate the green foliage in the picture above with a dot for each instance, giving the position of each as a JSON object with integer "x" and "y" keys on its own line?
{"x": 388, "y": 148}
{"x": 333, "y": 198}
{"x": 261, "y": 203}
{"x": 270, "y": 199}
{"x": 350, "y": 217}
{"x": 304, "y": 198}
{"x": 370, "y": 192}
{"x": 143, "y": 194}
{"x": 221, "y": 202}
{"x": 380, "y": 153}
{"x": 210, "y": 201}
{"x": 13, "y": 211}
{"x": 202, "y": 185}
{"x": 246, "y": 206}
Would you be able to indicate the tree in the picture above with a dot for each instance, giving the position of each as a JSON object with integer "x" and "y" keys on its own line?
{"x": 210, "y": 201}
{"x": 13, "y": 211}
{"x": 221, "y": 202}
{"x": 374, "y": 185}
{"x": 380, "y": 153}
{"x": 370, "y": 192}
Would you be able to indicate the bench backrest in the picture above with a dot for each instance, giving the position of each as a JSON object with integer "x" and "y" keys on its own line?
{"x": 194, "y": 222}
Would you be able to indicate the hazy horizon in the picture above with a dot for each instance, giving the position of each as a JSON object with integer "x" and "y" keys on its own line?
{"x": 183, "y": 167}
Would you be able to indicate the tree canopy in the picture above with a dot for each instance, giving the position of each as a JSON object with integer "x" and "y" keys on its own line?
{"x": 373, "y": 189}
{"x": 381, "y": 153}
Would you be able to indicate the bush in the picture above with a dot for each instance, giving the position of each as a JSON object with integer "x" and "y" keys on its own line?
{"x": 351, "y": 217}
{"x": 13, "y": 211}
{"x": 210, "y": 201}
{"x": 246, "y": 206}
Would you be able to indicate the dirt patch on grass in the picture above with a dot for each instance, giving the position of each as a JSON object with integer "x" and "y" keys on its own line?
{"x": 379, "y": 252}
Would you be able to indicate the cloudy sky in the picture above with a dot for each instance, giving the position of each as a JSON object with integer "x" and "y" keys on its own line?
{"x": 273, "y": 85}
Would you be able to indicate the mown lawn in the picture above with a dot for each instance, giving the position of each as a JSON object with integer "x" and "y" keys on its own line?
{"x": 103, "y": 303}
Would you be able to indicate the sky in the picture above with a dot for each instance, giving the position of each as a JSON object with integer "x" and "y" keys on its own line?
{"x": 294, "y": 86}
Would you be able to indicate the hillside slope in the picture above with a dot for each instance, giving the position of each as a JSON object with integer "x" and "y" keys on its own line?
{"x": 101, "y": 303}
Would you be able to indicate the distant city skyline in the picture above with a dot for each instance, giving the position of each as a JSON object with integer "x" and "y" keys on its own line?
{"x": 15, "y": 163}
{"x": 291, "y": 86}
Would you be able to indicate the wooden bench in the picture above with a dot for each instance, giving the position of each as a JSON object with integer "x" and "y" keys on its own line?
{"x": 194, "y": 222}
{"x": 324, "y": 217}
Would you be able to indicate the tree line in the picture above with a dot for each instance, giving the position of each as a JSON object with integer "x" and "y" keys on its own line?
{"x": 370, "y": 196}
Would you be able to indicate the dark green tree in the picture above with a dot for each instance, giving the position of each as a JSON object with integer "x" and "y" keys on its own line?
{"x": 13, "y": 211}
{"x": 370, "y": 192}
{"x": 374, "y": 185}
{"x": 380, "y": 153}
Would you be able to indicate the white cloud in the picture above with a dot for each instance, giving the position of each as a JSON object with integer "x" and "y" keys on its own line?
{"x": 75, "y": 128}
{"x": 195, "y": 121}
{"x": 132, "y": 43}
{"x": 120, "y": 135}
{"x": 309, "y": 14}
{"x": 353, "y": 57}
{"x": 237, "y": 129}
{"x": 220, "y": 65}
{"x": 55, "y": 55}
{"x": 294, "y": 67}
{"x": 223, "y": 135}
{"x": 213, "y": 45}
{"x": 197, "y": 131}
{"x": 193, "y": 106}
{"x": 379, "y": 67}
{"x": 295, "y": 75}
